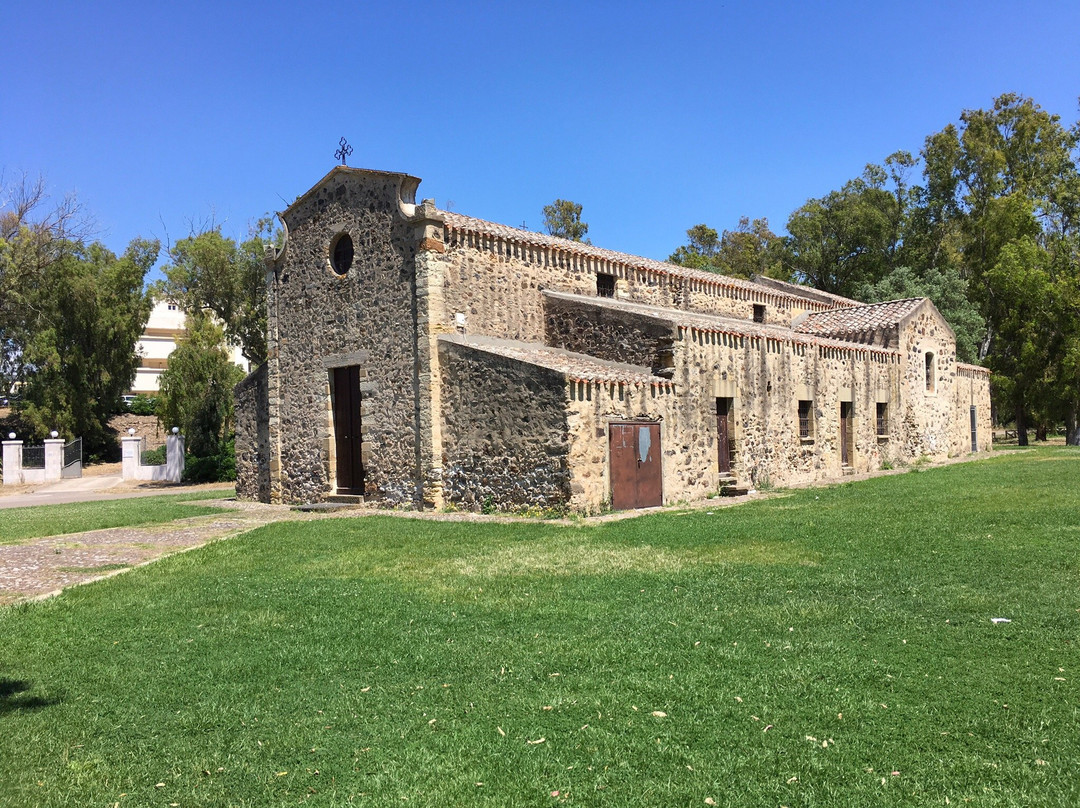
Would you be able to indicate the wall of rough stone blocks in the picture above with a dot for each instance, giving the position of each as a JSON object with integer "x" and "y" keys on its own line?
{"x": 929, "y": 414}
{"x": 253, "y": 437}
{"x": 504, "y": 431}
{"x": 498, "y": 286}
{"x": 616, "y": 336}
{"x": 592, "y": 406}
{"x": 766, "y": 378}
{"x": 322, "y": 318}
{"x": 972, "y": 389}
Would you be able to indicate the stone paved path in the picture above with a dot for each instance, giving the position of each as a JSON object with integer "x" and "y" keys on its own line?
{"x": 42, "y": 567}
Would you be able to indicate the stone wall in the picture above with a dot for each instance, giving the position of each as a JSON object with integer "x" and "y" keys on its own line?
{"x": 253, "y": 437}
{"x": 616, "y": 336}
{"x": 929, "y": 410}
{"x": 504, "y": 433}
{"x": 498, "y": 284}
{"x": 972, "y": 389}
{"x": 323, "y": 318}
{"x": 593, "y": 405}
{"x": 766, "y": 378}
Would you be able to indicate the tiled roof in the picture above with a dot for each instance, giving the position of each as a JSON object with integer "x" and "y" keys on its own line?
{"x": 705, "y": 322}
{"x": 576, "y": 366}
{"x": 857, "y": 319}
{"x": 807, "y": 291}
{"x": 456, "y": 221}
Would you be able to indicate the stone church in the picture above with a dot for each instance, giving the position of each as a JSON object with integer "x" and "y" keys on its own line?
{"x": 422, "y": 358}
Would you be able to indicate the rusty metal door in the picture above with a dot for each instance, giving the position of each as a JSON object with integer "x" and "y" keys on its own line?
{"x": 723, "y": 434}
{"x": 348, "y": 439}
{"x": 845, "y": 432}
{"x": 636, "y": 472}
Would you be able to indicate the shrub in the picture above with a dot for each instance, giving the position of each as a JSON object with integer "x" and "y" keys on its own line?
{"x": 143, "y": 405}
{"x": 218, "y": 468}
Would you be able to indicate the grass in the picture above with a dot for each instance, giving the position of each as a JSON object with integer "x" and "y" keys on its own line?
{"x": 21, "y": 524}
{"x": 829, "y": 647}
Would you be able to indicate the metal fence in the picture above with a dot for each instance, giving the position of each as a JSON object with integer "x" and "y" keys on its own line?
{"x": 33, "y": 457}
{"x": 150, "y": 457}
{"x": 73, "y": 452}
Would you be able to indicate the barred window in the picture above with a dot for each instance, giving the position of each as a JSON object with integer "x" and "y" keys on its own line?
{"x": 605, "y": 285}
{"x": 883, "y": 419}
{"x": 806, "y": 419}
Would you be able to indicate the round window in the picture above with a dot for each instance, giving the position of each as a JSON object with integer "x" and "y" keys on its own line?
{"x": 341, "y": 254}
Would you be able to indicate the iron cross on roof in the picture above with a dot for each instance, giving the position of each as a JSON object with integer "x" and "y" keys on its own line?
{"x": 343, "y": 151}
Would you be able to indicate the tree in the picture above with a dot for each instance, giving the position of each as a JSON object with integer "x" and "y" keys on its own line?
{"x": 196, "y": 393}
{"x": 562, "y": 219}
{"x": 210, "y": 272}
{"x": 1005, "y": 182}
{"x": 751, "y": 249}
{"x": 70, "y": 316}
{"x": 850, "y": 238}
{"x": 702, "y": 250}
{"x": 948, "y": 291}
{"x": 34, "y": 234}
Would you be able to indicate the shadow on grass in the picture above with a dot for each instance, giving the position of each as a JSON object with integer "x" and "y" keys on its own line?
{"x": 15, "y": 697}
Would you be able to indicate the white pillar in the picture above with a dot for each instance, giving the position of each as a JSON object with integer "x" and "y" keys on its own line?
{"x": 131, "y": 446}
{"x": 54, "y": 459}
{"x": 13, "y": 462}
{"x": 174, "y": 458}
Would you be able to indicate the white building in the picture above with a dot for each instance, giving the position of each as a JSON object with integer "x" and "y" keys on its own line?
{"x": 165, "y": 326}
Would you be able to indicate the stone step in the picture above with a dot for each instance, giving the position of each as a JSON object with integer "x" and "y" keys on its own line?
{"x": 333, "y": 502}
{"x": 734, "y": 491}
{"x": 345, "y": 499}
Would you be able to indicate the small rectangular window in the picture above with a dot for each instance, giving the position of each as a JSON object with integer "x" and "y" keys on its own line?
{"x": 931, "y": 371}
{"x": 605, "y": 285}
{"x": 882, "y": 419}
{"x": 806, "y": 419}
{"x": 759, "y": 313}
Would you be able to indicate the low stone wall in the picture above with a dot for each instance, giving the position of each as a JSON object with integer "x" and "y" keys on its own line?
{"x": 504, "y": 431}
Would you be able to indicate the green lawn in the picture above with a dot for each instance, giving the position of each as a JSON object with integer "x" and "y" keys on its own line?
{"x": 20, "y": 524}
{"x": 829, "y": 648}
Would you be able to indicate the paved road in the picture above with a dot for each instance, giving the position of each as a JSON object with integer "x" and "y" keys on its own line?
{"x": 89, "y": 489}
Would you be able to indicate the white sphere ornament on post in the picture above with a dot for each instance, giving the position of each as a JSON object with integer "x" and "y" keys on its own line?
{"x": 176, "y": 430}
{"x": 11, "y": 436}
{"x": 131, "y": 431}
{"x": 54, "y": 434}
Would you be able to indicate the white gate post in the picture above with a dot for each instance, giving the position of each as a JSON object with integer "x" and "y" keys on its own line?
{"x": 54, "y": 458}
{"x": 132, "y": 446}
{"x": 174, "y": 456}
{"x": 13, "y": 462}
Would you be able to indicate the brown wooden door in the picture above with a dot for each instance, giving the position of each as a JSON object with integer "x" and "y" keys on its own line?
{"x": 348, "y": 439}
{"x": 636, "y": 468}
{"x": 845, "y": 432}
{"x": 723, "y": 434}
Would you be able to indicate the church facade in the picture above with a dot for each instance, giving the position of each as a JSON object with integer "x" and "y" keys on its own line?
{"x": 422, "y": 358}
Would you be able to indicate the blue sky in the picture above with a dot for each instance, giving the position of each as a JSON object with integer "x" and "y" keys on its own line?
{"x": 654, "y": 116}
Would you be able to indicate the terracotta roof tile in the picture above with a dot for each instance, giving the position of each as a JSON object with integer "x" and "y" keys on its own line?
{"x": 857, "y": 319}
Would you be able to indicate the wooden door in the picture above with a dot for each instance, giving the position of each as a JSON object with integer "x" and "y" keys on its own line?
{"x": 723, "y": 434}
{"x": 348, "y": 439}
{"x": 845, "y": 432}
{"x": 636, "y": 467}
